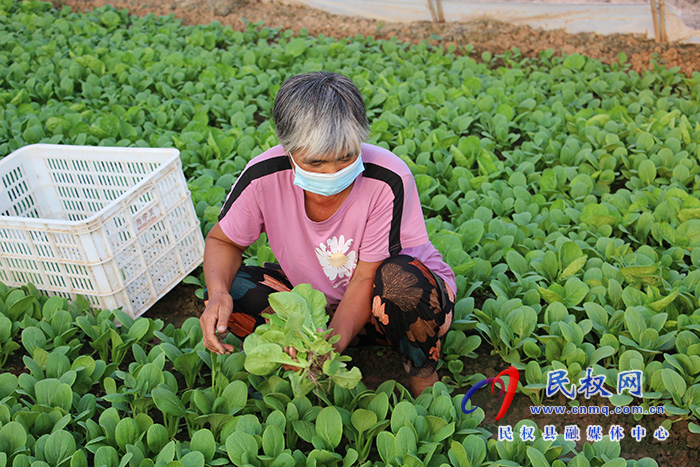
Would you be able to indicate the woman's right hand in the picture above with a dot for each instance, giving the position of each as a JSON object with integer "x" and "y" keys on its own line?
{"x": 214, "y": 323}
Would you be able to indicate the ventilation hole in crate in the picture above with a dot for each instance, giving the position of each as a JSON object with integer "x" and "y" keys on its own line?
{"x": 3, "y": 275}
{"x": 79, "y": 278}
{"x": 70, "y": 254}
{"x": 57, "y": 164}
{"x": 14, "y": 247}
{"x": 154, "y": 241}
{"x": 130, "y": 263}
{"x": 132, "y": 269}
{"x": 43, "y": 248}
{"x": 51, "y": 267}
{"x": 22, "y": 277}
{"x": 94, "y": 207}
{"x": 39, "y": 236}
{"x": 29, "y": 208}
{"x": 164, "y": 271}
{"x": 62, "y": 177}
{"x": 24, "y": 270}
{"x": 57, "y": 281}
{"x": 140, "y": 203}
{"x": 140, "y": 300}
{"x": 171, "y": 190}
{"x": 179, "y": 220}
{"x": 24, "y": 206}
{"x": 90, "y": 192}
{"x": 138, "y": 168}
{"x": 118, "y": 232}
{"x": 44, "y": 251}
{"x": 81, "y": 284}
{"x": 13, "y": 179}
{"x": 139, "y": 292}
{"x": 189, "y": 250}
{"x": 65, "y": 240}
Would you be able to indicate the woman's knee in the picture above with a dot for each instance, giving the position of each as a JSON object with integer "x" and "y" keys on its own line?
{"x": 406, "y": 291}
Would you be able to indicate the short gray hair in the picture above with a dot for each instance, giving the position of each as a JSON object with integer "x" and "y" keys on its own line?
{"x": 320, "y": 115}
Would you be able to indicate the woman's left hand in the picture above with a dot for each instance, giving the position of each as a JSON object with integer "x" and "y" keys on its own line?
{"x": 292, "y": 352}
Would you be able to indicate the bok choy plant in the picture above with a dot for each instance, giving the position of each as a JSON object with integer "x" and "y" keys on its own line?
{"x": 300, "y": 322}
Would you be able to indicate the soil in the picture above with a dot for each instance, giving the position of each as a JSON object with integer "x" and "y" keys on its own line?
{"x": 682, "y": 447}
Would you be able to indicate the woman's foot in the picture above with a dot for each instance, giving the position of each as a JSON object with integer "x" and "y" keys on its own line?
{"x": 418, "y": 384}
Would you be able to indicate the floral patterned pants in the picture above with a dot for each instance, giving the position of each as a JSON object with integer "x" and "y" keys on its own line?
{"x": 411, "y": 308}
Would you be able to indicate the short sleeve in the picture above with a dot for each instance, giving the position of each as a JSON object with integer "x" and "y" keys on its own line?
{"x": 395, "y": 222}
{"x": 241, "y": 218}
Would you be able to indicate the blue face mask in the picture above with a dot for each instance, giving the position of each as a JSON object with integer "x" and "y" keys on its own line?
{"x": 327, "y": 184}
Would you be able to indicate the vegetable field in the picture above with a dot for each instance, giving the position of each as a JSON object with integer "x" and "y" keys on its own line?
{"x": 563, "y": 192}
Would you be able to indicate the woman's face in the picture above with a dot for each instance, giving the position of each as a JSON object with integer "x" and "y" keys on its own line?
{"x": 325, "y": 167}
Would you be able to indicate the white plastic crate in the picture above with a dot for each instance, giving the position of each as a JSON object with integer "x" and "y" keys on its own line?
{"x": 115, "y": 225}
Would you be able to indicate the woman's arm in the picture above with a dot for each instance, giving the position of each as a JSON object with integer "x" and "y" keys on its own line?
{"x": 222, "y": 259}
{"x": 354, "y": 308}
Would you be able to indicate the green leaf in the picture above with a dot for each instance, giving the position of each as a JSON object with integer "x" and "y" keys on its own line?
{"x": 12, "y": 437}
{"x": 329, "y": 426}
{"x": 272, "y": 441}
{"x": 167, "y": 402}
{"x": 647, "y": 172}
{"x": 110, "y": 19}
{"x": 475, "y": 447}
{"x": 157, "y": 437}
{"x": 471, "y": 231}
{"x": 263, "y": 359}
{"x": 8, "y": 384}
{"x": 296, "y": 47}
{"x": 59, "y": 446}
{"x": 379, "y": 405}
{"x": 618, "y": 462}
{"x": 404, "y": 414}
{"x": 385, "y": 446}
{"x": 536, "y": 457}
{"x": 363, "y": 420}
{"x": 283, "y": 460}
{"x": 635, "y": 323}
{"x": 575, "y": 61}
{"x": 674, "y": 383}
{"x": 204, "y": 442}
{"x": 127, "y": 432}
{"x": 33, "y": 338}
{"x": 52, "y": 393}
{"x": 458, "y": 455}
{"x": 167, "y": 454}
{"x": 106, "y": 456}
{"x": 576, "y": 291}
{"x": 241, "y": 446}
{"x": 600, "y": 353}
{"x": 405, "y": 441}
{"x": 574, "y": 267}
{"x": 517, "y": 263}
{"x": 192, "y": 459}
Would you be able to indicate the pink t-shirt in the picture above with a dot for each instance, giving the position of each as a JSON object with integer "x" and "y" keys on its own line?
{"x": 381, "y": 216}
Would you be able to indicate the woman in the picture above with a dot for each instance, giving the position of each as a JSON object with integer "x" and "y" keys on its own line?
{"x": 339, "y": 214}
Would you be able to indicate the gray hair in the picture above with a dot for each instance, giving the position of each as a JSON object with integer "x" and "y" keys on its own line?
{"x": 320, "y": 115}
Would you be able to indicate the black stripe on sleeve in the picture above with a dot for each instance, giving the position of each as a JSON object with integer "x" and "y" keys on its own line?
{"x": 395, "y": 182}
{"x": 258, "y": 170}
